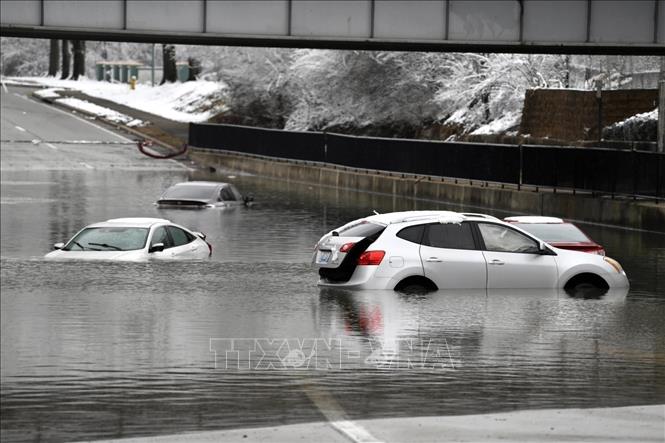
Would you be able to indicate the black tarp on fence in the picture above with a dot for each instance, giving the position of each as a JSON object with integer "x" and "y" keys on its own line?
{"x": 590, "y": 169}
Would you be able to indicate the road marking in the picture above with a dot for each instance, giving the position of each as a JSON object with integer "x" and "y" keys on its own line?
{"x": 4, "y": 88}
{"x": 336, "y": 416}
{"x": 20, "y": 128}
{"x": 52, "y": 146}
{"x": 87, "y": 165}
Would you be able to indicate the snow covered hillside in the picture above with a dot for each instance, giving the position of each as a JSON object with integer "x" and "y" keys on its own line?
{"x": 184, "y": 102}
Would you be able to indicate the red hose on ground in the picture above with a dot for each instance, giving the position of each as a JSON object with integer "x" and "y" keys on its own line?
{"x": 142, "y": 144}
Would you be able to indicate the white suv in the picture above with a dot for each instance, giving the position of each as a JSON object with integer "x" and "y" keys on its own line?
{"x": 450, "y": 250}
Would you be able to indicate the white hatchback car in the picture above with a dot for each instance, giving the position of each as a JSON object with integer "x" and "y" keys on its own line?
{"x": 133, "y": 239}
{"x": 448, "y": 250}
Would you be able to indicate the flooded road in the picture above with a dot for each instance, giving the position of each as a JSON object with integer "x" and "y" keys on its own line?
{"x": 101, "y": 350}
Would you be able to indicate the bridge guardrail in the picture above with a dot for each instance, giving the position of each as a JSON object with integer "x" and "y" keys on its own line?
{"x": 608, "y": 171}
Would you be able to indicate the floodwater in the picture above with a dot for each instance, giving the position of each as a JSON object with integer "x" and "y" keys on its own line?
{"x": 101, "y": 350}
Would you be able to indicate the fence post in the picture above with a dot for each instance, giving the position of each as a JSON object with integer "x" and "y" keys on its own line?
{"x": 634, "y": 162}
{"x": 325, "y": 147}
{"x": 661, "y": 115}
{"x": 519, "y": 179}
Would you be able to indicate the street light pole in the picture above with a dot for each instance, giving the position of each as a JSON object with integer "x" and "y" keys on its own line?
{"x": 152, "y": 66}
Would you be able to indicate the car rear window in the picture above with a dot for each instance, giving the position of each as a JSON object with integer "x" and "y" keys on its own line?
{"x": 412, "y": 233}
{"x": 449, "y": 236}
{"x": 554, "y": 232}
{"x": 362, "y": 229}
{"x": 190, "y": 192}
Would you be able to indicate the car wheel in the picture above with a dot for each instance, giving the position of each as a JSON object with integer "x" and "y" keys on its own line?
{"x": 415, "y": 285}
{"x": 587, "y": 286}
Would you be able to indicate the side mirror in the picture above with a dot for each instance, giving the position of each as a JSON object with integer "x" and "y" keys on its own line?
{"x": 58, "y": 246}
{"x": 248, "y": 199}
{"x": 157, "y": 247}
{"x": 544, "y": 250}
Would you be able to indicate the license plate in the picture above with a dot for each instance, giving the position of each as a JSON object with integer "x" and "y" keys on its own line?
{"x": 324, "y": 257}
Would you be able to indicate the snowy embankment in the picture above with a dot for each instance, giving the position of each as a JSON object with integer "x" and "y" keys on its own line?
{"x": 639, "y": 127}
{"x": 194, "y": 101}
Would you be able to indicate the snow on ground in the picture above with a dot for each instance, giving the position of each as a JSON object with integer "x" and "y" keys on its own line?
{"x": 651, "y": 115}
{"x": 500, "y": 125}
{"x": 100, "y": 111}
{"x": 194, "y": 101}
{"x": 48, "y": 93}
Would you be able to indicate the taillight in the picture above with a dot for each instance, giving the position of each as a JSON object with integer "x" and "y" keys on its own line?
{"x": 346, "y": 247}
{"x": 371, "y": 258}
{"x": 209, "y": 249}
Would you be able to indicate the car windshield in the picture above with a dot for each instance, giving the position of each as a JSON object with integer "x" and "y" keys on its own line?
{"x": 555, "y": 232}
{"x": 108, "y": 239}
{"x": 194, "y": 192}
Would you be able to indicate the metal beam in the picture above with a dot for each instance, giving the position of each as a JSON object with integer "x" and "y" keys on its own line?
{"x": 216, "y": 39}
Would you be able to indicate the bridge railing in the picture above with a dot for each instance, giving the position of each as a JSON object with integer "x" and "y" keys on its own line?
{"x": 597, "y": 170}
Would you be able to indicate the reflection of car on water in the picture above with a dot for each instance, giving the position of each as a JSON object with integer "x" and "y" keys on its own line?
{"x": 133, "y": 239}
{"x": 202, "y": 194}
{"x": 558, "y": 233}
{"x": 449, "y": 250}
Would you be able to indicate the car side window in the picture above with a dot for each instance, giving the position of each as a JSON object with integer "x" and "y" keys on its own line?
{"x": 226, "y": 194}
{"x": 236, "y": 193}
{"x": 412, "y": 233}
{"x": 161, "y": 236}
{"x": 499, "y": 238}
{"x": 449, "y": 236}
{"x": 179, "y": 236}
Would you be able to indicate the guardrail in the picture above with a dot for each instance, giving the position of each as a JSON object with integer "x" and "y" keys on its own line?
{"x": 607, "y": 171}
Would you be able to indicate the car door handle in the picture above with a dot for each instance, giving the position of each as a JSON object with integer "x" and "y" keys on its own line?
{"x": 497, "y": 262}
{"x": 433, "y": 260}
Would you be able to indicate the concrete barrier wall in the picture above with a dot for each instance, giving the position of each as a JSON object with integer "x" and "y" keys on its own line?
{"x": 573, "y": 115}
{"x": 626, "y": 213}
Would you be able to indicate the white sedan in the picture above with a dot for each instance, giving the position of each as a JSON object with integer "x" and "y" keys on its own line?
{"x": 448, "y": 250}
{"x": 133, "y": 239}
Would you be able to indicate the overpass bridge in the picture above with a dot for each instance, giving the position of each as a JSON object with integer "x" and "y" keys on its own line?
{"x": 630, "y": 27}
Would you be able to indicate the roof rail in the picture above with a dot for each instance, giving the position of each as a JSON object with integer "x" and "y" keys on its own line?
{"x": 475, "y": 214}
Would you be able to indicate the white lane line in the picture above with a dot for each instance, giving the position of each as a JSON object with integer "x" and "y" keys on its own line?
{"x": 87, "y": 165}
{"x": 124, "y": 139}
{"x": 336, "y": 416}
{"x": 4, "y": 88}
{"x": 52, "y": 146}
{"x": 20, "y": 128}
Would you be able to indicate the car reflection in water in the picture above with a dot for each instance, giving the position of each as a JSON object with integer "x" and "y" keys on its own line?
{"x": 450, "y": 329}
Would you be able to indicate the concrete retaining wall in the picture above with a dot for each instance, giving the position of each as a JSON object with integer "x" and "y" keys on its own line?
{"x": 626, "y": 213}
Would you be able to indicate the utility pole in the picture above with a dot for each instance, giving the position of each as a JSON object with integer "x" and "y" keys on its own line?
{"x": 152, "y": 66}
{"x": 661, "y": 116}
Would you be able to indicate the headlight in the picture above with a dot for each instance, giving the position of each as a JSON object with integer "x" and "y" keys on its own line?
{"x": 615, "y": 264}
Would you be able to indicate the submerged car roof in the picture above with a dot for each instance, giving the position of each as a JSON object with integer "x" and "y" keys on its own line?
{"x": 410, "y": 216}
{"x": 534, "y": 219}
{"x": 201, "y": 183}
{"x": 139, "y": 222}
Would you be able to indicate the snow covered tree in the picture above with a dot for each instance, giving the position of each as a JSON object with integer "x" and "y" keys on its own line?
{"x": 484, "y": 88}
{"x": 78, "y": 47}
{"x": 66, "y": 59}
{"x": 169, "y": 70}
{"x": 54, "y": 57}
